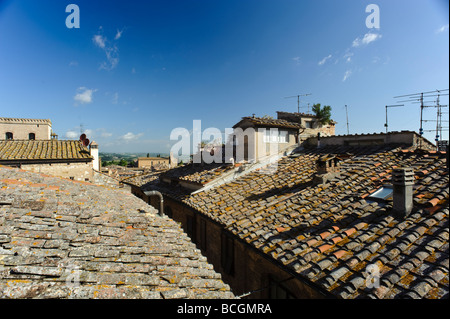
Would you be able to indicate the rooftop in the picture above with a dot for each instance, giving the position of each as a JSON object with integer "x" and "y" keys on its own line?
{"x": 330, "y": 233}
{"x": 269, "y": 122}
{"x": 53, "y": 150}
{"x": 66, "y": 239}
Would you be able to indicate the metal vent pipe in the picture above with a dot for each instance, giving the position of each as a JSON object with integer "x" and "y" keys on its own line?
{"x": 161, "y": 205}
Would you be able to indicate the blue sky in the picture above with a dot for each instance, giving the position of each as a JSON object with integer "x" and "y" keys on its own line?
{"x": 135, "y": 70}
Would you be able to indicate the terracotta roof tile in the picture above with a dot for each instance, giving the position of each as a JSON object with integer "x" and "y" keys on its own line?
{"x": 269, "y": 122}
{"x": 24, "y": 150}
{"x": 334, "y": 221}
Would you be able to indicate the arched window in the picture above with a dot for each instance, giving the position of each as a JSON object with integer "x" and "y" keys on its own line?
{"x": 9, "y": 135}
{"x": 31, "y": 136}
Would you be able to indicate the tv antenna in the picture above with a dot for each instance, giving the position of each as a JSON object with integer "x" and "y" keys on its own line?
{"x": 346, "y": 115}
{"x": 419, "y": 98}
{"x": 298, "y": 100}
{"x": 395, "y": 105}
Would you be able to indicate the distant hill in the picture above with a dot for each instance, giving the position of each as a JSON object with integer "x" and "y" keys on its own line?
{"x": 127, "y": 156}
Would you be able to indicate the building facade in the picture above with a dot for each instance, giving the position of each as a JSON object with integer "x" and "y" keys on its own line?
{"x": 310, "y": 124}
{"x": 69, "y": 159}
{"x": 153, "y": 162}
{"x": 25, "y": 129}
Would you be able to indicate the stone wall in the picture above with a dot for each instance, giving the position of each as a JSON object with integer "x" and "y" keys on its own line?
{"x": 79, "y": 171}
{"x": 21, "y": 128}
{"x": 150, "y": 162}
{"x": 410, "y": 138}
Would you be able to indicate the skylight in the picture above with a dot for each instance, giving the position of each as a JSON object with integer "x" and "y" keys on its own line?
{"x": 383, "y": 193}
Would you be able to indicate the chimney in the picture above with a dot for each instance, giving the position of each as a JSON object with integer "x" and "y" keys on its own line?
{"x": 93, "y": 149}
{"x": 328, "y": 168}
{"x": 403, "y": 181}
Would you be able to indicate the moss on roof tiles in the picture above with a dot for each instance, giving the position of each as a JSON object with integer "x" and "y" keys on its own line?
{"x": 257, "y": 204}
{"x": 87, "y": 241}
{"x": 19, "y": 150}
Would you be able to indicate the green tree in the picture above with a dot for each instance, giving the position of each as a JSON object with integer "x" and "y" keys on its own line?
{"x": 123, "y": 162}
{"x": 323, "y": 114}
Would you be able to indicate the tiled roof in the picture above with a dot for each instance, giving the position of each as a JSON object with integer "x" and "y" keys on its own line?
{"x": 330, "y": 233}
{"x": 24, "y": 150}
{"x": 198, "y": 173}
{"x": 268, "y": 122}
{"x": 65, "y": 239}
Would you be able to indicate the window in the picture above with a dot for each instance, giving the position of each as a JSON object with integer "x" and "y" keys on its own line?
{"x": 276, "y": 136}
{"x": 267, "y": 136}
{"x": 31, "y": 136}
{"x": 309, "y": 124}
{"x": 227, "y": 253}
{"x": 278, "y": 291}
{"x": 9, "y": 135}
{"x": 283, "y": 137}
{"x": 382, "y": 193}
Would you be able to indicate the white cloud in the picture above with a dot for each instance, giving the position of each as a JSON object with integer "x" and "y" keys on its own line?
{"x": 89, "y": 133}
{"x": 325, "y": 59}
{"x": 296, "y": 60}
{"x": 112, "y": 57}
{"x": 367, "y": 38}
{"x": 106, "y": 134}
{"x": 71, "y": 134}
{"x": 84, "y": 95}
{"x": 131, "y": 136}
{"x": 118, "y": 34}
{"x": 347, "y": 75}
{"x": 111, "y": 50}
{"x": 99, "y": 41}
{"x": 348, "y": 56}
{"x": 442, "y": 29}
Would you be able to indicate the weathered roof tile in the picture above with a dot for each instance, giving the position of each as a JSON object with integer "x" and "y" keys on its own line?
{"x": 92, "y": 248}
{"x": 337, "y": 221}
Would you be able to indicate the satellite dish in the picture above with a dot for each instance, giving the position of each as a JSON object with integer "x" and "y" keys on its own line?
{"x": 82, "y": 137}
{"x": 86, "y": 142}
